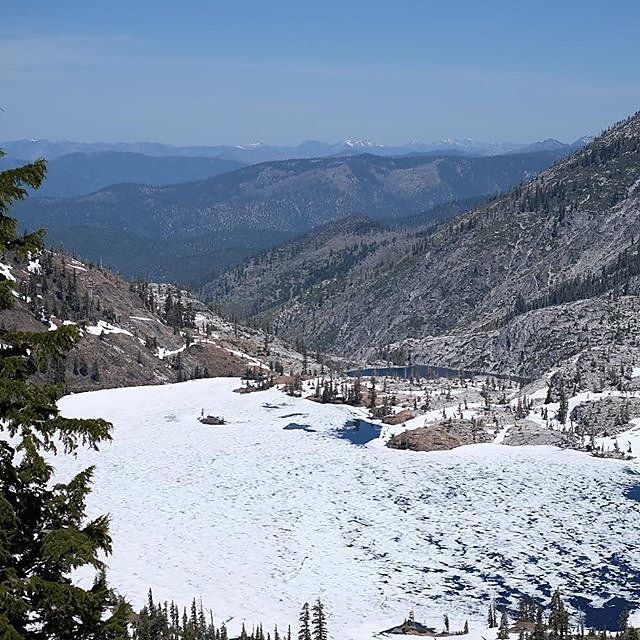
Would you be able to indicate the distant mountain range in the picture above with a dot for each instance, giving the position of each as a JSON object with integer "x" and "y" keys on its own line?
{"x": 82, "y": 173}
{"x": 189, "y": 232}
{"x": 258, "y": 152}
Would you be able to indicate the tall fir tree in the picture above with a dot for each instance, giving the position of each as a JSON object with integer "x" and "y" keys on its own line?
{"x": 503, "y": 627}
{"x": 319, "y": 622}
{"x": 558, "y": 618}
{"x": 491, "y": 616}
{"x": 304, "y": 630}
{"x": 44, "y": 532}
{"x": 539, "y": 632}
{"x": 563, "y": 407}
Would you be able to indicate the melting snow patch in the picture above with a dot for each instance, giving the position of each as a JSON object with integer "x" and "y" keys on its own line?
{"x": 501, "y": 435}
{"x": 244, "y": 356}
{"x": 5, "y": 270}
{"x": 76, "y": 264}
{"x": 164, "y": 353}
{"x": 105, "y": 327}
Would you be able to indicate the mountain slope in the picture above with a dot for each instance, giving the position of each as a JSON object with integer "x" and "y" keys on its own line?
{"x": 338, "y": 249}
{"x": 546, "y": 241}
{"x": 188, "y": 231}
{"x": 274, "y": 277}
{"x": 132, "y": 333}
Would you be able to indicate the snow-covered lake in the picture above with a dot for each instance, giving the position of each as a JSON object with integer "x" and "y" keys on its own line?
{"x": 256, "y": 518}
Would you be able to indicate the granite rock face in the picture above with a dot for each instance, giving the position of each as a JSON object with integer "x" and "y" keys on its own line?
{"x": 526, "y": 432}
{"x": 441, "y": 436}
{"x": 605, "y": 416}
{"x": 604, "y": 333}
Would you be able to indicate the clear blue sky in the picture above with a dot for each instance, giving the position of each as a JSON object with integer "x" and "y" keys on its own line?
{"x": 197, "y": 72}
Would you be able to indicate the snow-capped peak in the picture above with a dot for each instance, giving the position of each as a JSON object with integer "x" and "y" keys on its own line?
{"x": 360, "y": 144}
{"x": 251, "y": 145}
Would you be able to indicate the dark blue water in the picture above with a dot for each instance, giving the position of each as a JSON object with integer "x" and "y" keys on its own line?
{"x": 358, "y": 432}
{"x": 294, "y": 426}
{"x": 633, "y": 493}
{"x": 605, "y": 617}
{"x": 426, "y": 371}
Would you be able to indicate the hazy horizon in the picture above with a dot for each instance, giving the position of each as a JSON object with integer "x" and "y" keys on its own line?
{"x": 247, "y": 144}
{"x": 234, "y": 73}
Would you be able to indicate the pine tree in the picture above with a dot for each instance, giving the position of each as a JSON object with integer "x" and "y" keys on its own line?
{"x": 304, "y": 632}
{"x": 95, "y": 371}
{"x": 466, "y": 627}
{"x": 44, "y": 532}
{"x": 539, "y": 630}
{"x": 563, "y": 408}
{"x": 372, "y": 394}
{"x": 558, "y": 618}
{"x": 319, "y": 622}
{"x": 503, "y": 627}
{"x": 491, "y": 617}
{"x": 527, "y": 608}
{"x": 623, "y": 619}
{"x": 202, "y": 620}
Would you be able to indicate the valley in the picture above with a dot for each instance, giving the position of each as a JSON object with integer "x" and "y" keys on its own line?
{"x": 191, "y": 232}
{"x": 397, "y": 382}
{"x": 512, "y": 286}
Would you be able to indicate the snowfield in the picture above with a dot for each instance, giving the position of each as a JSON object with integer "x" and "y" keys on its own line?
{"x": 275, "y": 508}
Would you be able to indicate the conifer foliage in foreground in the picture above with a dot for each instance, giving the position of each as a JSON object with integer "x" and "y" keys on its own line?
{"x": 44, "y": 532}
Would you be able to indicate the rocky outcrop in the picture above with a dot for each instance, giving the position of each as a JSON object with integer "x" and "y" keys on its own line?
{"x": 526, "y": 432}
{"x": 605, "y": 416}
{"x": 603, "y": 332}
{"x": 440, "y": 436}
{"x": 599, "y": 368}
{"x": 400, "y": 417}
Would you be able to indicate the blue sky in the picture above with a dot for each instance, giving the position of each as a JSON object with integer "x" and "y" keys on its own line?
{"x": 199, "y": 72}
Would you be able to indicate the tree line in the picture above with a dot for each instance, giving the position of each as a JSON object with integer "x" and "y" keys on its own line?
{"x": 165, "y": 621}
